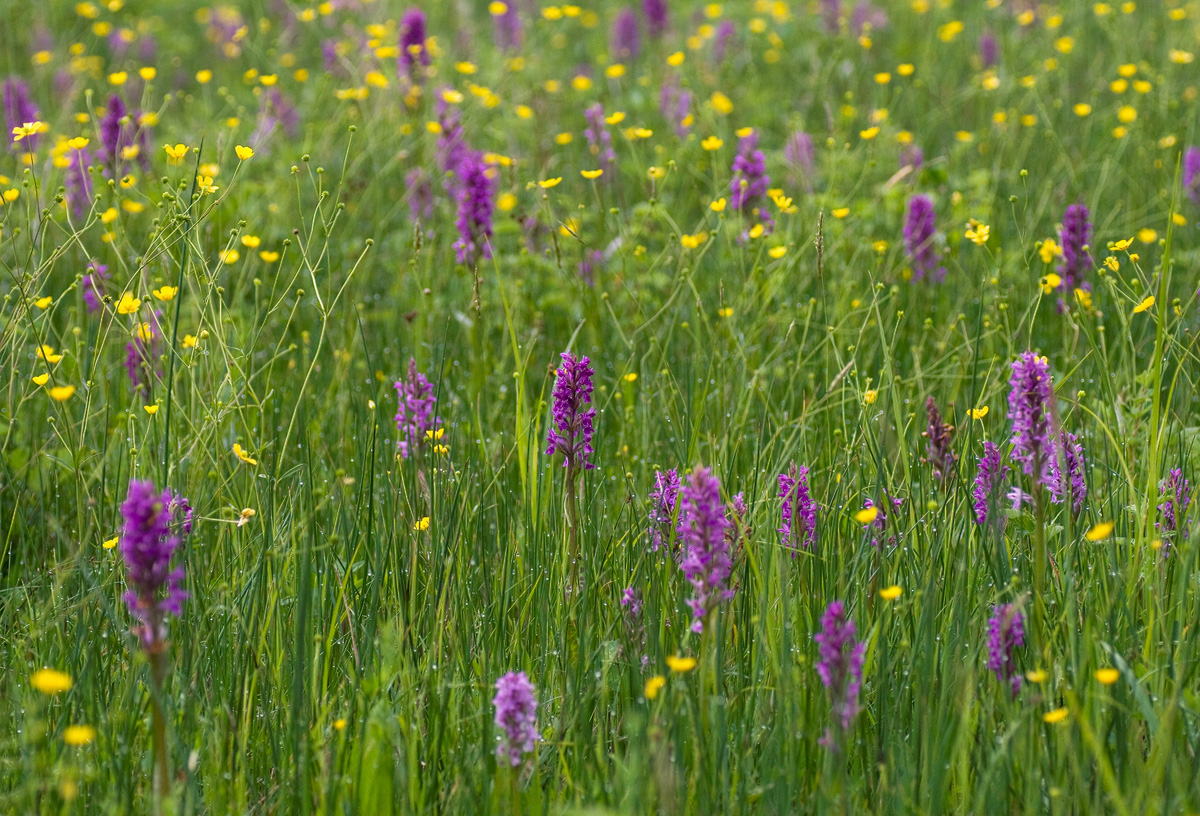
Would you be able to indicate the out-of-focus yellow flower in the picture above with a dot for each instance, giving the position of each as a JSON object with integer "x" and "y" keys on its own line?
{"x": 241, "y": 453}
{"x": 654, "y": 686}
{"x": 1100, "y": 531}
{"x": 50, "y": 681}
{"x": 890, "y": 593}
{"x": 128, "y": 304}
{"x": 866, "y": 515}
{"x": 680, "y": 665}
{"x": 1144, "y": 305}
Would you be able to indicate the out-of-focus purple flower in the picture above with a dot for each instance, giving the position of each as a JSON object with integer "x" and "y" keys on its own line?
{"x": 1018, "y": 497}
{"x": 912, "y": 156}
{"x": 331, "y": 59}
{"x": 626, "y": 37}
{"x": 920, "y": 239}
{"x": 420, "y": 194}
{"x": 722, "y": 40}
{"x": 19, "y": 110}
{"x": 274, "y": 112}
{"x": 147, "y": 544}
{"x": 750, "y": 180}
{"x": 840, "y": 667}
{"x": 1006, "y": 634}
{"x": 1066, "y": 477}
{"x": 655, "y": 12}
{"x": 1074, "y": 237}
{"x": 452, "y": 147}
{"x": 798, "y": 153}
{"x": 663, "y": 499}
{"x": 142, "y": 355}
{"x": 516, "y": 716}
{"x": 938, "y": 445}
{"x": 706, "y": 562}
{"x": 799, "y": 511}
{"x": 571, "y": 430}
{"x": 675, "y": 105}
{"x": 631, "y": 602}
{"x": 93, "y": 285}
{"x": 226, "y": 30}
{"x": 78, "y": 182}
{"x": 592, "y": 259}
{"x": 122, "y": 136}
{"x": 1191, "y": 173}
{"x": 867, "y": 17}
{"x": 413, "y": 53}
{"x": 599, "y": 139}
{"x": 988, "y": 481}
{"x": 507, "y": 27}
{"x": 414, "y": 412}
{"x": 476, "y": 202}
{"x": 1029, "y": 405}
{"x": 989, "y": 50}
{"x": 1176, "y": 493}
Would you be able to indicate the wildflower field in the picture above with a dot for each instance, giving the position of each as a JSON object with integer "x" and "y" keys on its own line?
{"x": 644, "y": 406}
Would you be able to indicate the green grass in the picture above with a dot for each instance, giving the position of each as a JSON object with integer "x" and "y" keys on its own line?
{"x": 332, "y": 658}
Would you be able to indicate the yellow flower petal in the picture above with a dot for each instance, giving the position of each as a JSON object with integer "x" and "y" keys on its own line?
{"x": 548, "y": 183}
{"x": 591, "y": 174}
{"x": 108, "y": 544}
{"x": 150, "y": 409}
{"x": 1055, "y": 716}
{"x": 62, "y": 393}
{"x": 978, "y": 413}
{"x": 866, "y": 515}
{"x": 78, "y": 734}
{"x": 1107, "y": 676}
{"x": 654, "y": 685}
{"x": 50, "y": 681}
{"x": 1100, "y": 532}
{"x": 1144, "y": 305}
{"x": 890, "y": 593}
{"x": 243, "y": 152}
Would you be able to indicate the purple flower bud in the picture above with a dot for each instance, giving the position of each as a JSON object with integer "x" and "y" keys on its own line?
{"x": 750, "y": 180}
{"x": 1074, "y": 237}
{"x": 476, "y": 202}
{"x": 516, "y": 716}
{"x": 840, "y": 666}
{"x": 988, "y": 481}
{"x": 1006, "y": 634}
{"x": 147, "y": 544}
{"x": 413, "y": 52}
{"x": 1066, "y": 477}
{"x": 655, "y": 12}
{"x": 707, "y": 563}
{"x": 989, "y": 50}
{"x": 1029, "y": 406}
{"x": 938, "y": 446}
{"x": 1176, "y": 493}
{"x": 414, "y": 412}
{"x": 799, "y": 511}
{"x": 664, "y": 498}
{"x": 919, "y": 239}
{"x": 571, "y": 430}
{"x": 626, "y": 38}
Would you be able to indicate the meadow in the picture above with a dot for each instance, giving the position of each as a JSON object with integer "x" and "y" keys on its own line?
{"x": 756, "y": 407}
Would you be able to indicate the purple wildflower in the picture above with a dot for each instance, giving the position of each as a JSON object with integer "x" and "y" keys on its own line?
{"x": 420, "y": 194}
{"x": 631, "y": 599}
{"x": 78, "y": 183}
{"x": 274, "y": 112}
{"x": 664, "y": 498}
{"x": 635, "y": 627}
{"x": 798, "y": 153}
{"x": 750, "y": 180}
{"x": 571, "y": 430}
{"x": 142, "y": 357}
{"x": 414, "y": 411}
{"x": 992, "y": 471}
{"x": 516, "y": 714}
{"x": 19, "y": 110}
{"x": 93, "y": 285}
{"x": 122, "y": 134}
{"x": 413, "y": 52}
{"x": 475, "y": 205}
{"x": 1018, "y": 497}
{"x": 919, "y": 239}
{"x": 832, "y": 12}
{"x": 626, "y": 38}
{"x": 1006, "y": 634}
{"x": 989, "y": 51}
{"x": 799, "y": 511}
{"x": 840, "y": 666}
{"x": 1073, "y": 238}
{"x": 675, "y": 104}
{"x": 722, "y": 40}
{"x": 1176, "y": 498}
{"x": 1029, "y": 406}
{"x": 452, "y": 148}
{"x": 1069, "y": 483}
{"x": 147, "y": 544}
{"x": 507, "y": 27}
{"x": 706, "y": 561}
{"x": 938, "y": 450}
{"x": 598, "y": 138}
{"x": 592, "y": 259}
{"x": 655, "y": 12}
{"x": 1191, "y": 173}
{"x": 912, "y": 156}
{"x": 867, "y": 17}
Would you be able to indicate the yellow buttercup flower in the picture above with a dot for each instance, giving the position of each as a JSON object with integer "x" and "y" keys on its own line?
{"x": 718, "y": 205}
{"x": 1144, "y": 305}
{"x": 591, "y": 174}
{"x": 62, "y": 393}
{"x": 977, "y": 233}
{"x": 1037, "y": 676}
{"x": 693, "y": 241}
{"x": 712, "y": 143}
{"x": 681, "y": 665}
{"x": 1100, "y": 532}
{"x": 128, "y": 304}
{"x": 548, "y": 183}
{"x": 1055, "y": 716}
{"x": 241, "y": 453}
{"x": 165, "y": 292}
{"x": 150, "y": 409}
{"x": 50, "y": 681}
{"x": 175, "y": 153}
{"x": 108, "y": 544}
{"x": 654, "y": 686}
{"x": 866, "y": 515}
{"x": 1050, "y": 282}
{"x": 47, "y": 354}
{"x": 1107, "y": 676}
{"x": 41, "y": 379}
{"x": 890, "y": 593}
{"x": 243, "y": 152}
{"x": 978, "y": 413}
{"x": 422, "y": 525}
